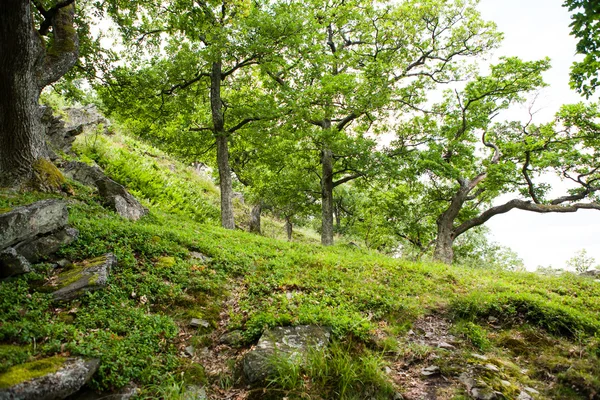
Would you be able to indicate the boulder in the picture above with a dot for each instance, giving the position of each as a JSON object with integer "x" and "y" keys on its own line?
{"x": 83, "y": 173}
{"x": 25, "y": 223}
{"x": 85, "y": 118}
{"x": 36, "y": 249}
{"x": 59, "y": 138}
{"x": 120, "y": 200}
{"x": 291, "y": 343}
{"x": 593, "y": 273}
{"x": 86, "y": 276}
{"x": 46, "y": 379}
{"x": 12, "y": 263}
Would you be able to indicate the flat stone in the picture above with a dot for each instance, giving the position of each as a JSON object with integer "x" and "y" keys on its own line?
{"x": 290, "y": 342}
{"x": 12, "y": 263}
{"x": 199, "y": 256}
{"x": 447, "y": 346}
{"x": 58, "y": 384}
{"x": 41, "y": 247}
{"x": 25, "y": 223}
{"x": 190, "y": 351}
{"x": 480, "y": 393}
{"x": 83, "y": 173}
{"x": 86, "y": 276}
{"x": 431, "y": 370}
{"x": 197, "y": 323}
{"x": 479, "y": 357}
{"x": 492, "y": 367}
{"x": 530, "y": 390}
{"x": 505, "y": 383}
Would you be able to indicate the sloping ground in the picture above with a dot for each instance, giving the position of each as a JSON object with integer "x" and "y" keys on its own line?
{"x": 391, "y": 320}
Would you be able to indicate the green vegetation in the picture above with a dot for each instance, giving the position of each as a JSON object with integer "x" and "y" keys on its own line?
{"x": 368, "y": 299}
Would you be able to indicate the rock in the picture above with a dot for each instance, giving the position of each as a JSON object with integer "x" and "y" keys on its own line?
{"x": 492, "y": 367}
{"x": 505, "y": 383}
{"x": 431, "y": 370}
{"x": 190, "y": 351}
{"x": 85, "y": 117}
{"x": 594, "y": 273}
{"x": 447, "y": 346}
{"x": 193, "y": 392}
{"x": 199, "y": 256}
{"x": 59, "y": 137}
{"x": 233, "y": 338}
{"x": 126, "y": 393}
{"x": 12, "y": 263}
{"x": 53, "y": 378}
{"x": 530, "y": 390}
{"x": 87, "y": 276}
{"x": 41, "y": 247}
{"x": 197, "y": 323}
{"x": 479, "y": 357}
{"x": 524, "y": 396}
{"x": 25, "y": 223}
{"x": 291, "y": 343}
{"x": 83, "y": 173}
{"x": 467, "y": 380}
{"x": 120, "y": 200}
{"x": 483, "y": 393}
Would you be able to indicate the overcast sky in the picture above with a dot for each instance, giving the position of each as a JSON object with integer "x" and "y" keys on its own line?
{"x": 534, "y": 29}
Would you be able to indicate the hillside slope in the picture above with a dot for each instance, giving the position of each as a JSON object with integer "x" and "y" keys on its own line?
{"x": 400, "y": 329}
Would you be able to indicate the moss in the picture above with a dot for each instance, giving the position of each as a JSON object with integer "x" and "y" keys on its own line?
{"x": 31, "y": 370}
{"x": 71, "y": 276}
{"x": 165, "y": 262}
{"x": 46, "y": 177}
{"x": 5, "y": 210}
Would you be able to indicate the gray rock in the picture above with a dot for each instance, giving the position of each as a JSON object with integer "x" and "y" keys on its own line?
{"x": 530, "y": 390}
{"x": 524, "y": 396}
{"x": 483, "y": 393}
{"x": 190, "y": 351}
{"x": 12, "y": 263}
{"x": 431, "y": 370}
{"x": 290, "y": 343}
{"x": 85, "y": 117}
{"x": 120, "y": 200}
{"x": 68, "y": 379}
{"x": 447, "y": 346}
{"x": 199, "y": 256}
{"x": 83, "y": 173}
{"x": 479, "y": 357}
{"x": 126, "y": 393}
{"x": 87, "y": 276}
{"x": 193, "y": 392}
{"x": 25, "y": 223}
{"x": 233, "y": 338}
{"x": 41, "y": 247}
{"x": 492, "y": 367}
{"x": 197, "y": 323}
{"x": 59, "y": 137}
{"x": 593, "y": 273}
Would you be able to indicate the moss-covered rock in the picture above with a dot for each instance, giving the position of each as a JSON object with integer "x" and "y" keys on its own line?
{"x": 86, "y": 276}
{"x": 47, "y": 177}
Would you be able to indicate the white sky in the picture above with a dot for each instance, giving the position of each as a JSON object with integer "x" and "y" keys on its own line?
{"x": 534, "y": 29}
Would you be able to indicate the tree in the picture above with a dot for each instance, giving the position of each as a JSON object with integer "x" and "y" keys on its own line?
{"x": 359, "y": 60}
{"x": 464, "y": 180}
{"x": 586, "y": 28}
{"x": 27, "y": 65}
{"x": 581, "y": 262}
{"x": 200, "y": 78}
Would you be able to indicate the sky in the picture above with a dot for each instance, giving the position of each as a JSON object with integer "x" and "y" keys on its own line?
{"x": 534, "y": 29}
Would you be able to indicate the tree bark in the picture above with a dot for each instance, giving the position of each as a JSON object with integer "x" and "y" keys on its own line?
{"x": 255, "y": 218}
{"x": 25, "y": 68}
{"x": 288, "y": 228}
{"x": 222, "y": 138}
{"x": 327, "y": 197}
{"x": 445, "y": 224}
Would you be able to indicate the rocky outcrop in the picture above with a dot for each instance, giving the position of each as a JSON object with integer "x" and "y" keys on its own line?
{"x": 62, "y": 131}
{"x": 86, "y": 276}
{"x": 291, "y": 343}
{"x": 114, "y": 195}
{"x": 593, "y": 273}
{"x": 31, "y": 233}
{"x": 53, "y": 378}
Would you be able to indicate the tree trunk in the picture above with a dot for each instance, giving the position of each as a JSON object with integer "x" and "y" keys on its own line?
{"x": 288, "y": 228}
{"x": 222, "y": 138}
{"x": 25, "y": 68}
{"x": 255, "y": 218}
{"x": 444, "y": 242}
{"x": 327, "y": 197}
{"x": 338, "y": 218}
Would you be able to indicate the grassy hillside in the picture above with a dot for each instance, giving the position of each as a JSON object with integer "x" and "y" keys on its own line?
{"x": 388, "y": 316}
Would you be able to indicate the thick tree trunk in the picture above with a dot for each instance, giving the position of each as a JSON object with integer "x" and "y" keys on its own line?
{"x": 25, "y": 68}
{"x": 327, "y": 197}
{"x": 255, "y": 218}
{"x": 288, "y": 228}
{"x": 222, "y": 138}
{"x": 21, "y": 134}
{"x": 444, "y": 242}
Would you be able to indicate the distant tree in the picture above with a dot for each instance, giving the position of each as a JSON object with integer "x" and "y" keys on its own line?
{"x": 581, "y": 262}
{"x": 359, "y": 61}
{"x": 38, "y": 45}
{"x": 586, "y": 28}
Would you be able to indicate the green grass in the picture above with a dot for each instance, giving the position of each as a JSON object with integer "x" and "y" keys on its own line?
{"x": 360, "y": 294}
